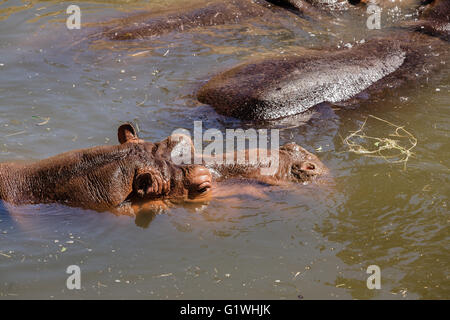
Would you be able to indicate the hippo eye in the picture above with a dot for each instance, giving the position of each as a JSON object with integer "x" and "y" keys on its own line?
{"x": 202, "y": 188}
{"x": 303, "y": 171}
{"x": 310, "y": 166}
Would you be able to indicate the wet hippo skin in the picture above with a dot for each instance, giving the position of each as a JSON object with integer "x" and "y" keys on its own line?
{"x": 104, "y": 178}
{"x": 281, "y": 86}
{"x": 294, "y": 163}
{"x": 319, "y": 8}
{"x": 200, "y": 15}
{"x": 232, "y": 181}
{"x": 211, "y": 13}
{"x": 284, "y": 86}
{"x": 435, "y": 20}
{"x": 135, "y": 174}
{"x": 306, "y": 6}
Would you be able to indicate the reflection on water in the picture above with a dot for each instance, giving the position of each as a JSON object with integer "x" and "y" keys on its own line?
{"x": 60, "y": 91}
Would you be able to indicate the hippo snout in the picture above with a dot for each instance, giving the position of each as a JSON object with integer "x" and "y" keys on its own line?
{"x": 302, "y": 165}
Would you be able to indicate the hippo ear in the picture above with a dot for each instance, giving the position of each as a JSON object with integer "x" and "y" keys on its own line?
{"x": 127, "y": 133}
{"x": 182, "y": 148}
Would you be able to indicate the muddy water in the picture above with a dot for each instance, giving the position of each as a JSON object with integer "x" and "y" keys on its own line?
{"x": 60, "y": 92}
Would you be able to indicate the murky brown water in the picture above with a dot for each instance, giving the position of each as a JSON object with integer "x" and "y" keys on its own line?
{"x": 57, "y": 95}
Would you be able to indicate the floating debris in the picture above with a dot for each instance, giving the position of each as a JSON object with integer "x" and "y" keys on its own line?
{"x": 15, "y": 133}
{"x": 139, "y": 53}
{"x": 383, "y": 144}
{"x": 46, "y": 120}
{"x": 164, "y": 275}
{"x": 5, "y": 255}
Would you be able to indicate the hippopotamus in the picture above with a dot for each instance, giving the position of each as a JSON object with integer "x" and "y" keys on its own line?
{"x": 207, "y": 13}
{"x": 281, "y": 86}
{"x": 120, "y": 178}
{"x": 211, "y": 13}
{"x": 435, "y": 20}
{"x": 104, "y": 178}
{"x": 293, "y": 164}
{"x": 200, "y": 14}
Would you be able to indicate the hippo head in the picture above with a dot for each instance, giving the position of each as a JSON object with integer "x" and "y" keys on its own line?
{"x": 299, "y": 165}
{"x": 156, "y": 176}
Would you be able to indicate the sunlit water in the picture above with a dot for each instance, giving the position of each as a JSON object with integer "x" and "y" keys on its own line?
{"x": 58, "y": 92}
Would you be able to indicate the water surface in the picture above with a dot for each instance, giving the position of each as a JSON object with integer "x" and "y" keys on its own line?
{"x": 59, "y": 92}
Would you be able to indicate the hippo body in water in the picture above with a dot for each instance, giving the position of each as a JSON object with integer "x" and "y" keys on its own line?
{"x": 119, "y": 178}
{"x": 212, "y": 13}
{"x": 435, "y": 20}
{"x": 104, "y": 178}
{"x": 198, "y": 15}
{"x": 290, "y": 164}
{"x": 282, "y": 86}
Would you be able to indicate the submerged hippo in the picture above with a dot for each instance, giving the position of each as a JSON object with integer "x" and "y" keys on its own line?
{"x": 435, "y": 20}
{"x": 207, "y": 13}
{"x": 292, "y": 164}
{"x": 201, "y": 14}
{"x": 212, "y": 13}
{"x": 104, "y": 178}
{"x": 281, "y": 86}
{"x": 120, "y": 178}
